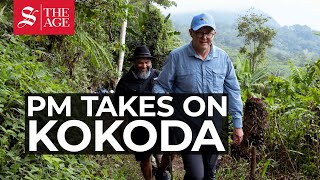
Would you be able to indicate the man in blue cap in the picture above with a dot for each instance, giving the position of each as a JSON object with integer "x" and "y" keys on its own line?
{"x": 201, "y": 67}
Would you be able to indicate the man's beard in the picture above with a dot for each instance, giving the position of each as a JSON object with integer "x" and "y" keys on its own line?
{"x": 143, "y": 74}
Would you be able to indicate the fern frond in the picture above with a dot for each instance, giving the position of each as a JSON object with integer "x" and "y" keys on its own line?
{"x": 94, "y": 50}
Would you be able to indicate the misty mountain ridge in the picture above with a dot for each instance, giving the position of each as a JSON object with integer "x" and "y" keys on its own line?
{"x": 228, "y": 17}
{"x": 296, "y": 42}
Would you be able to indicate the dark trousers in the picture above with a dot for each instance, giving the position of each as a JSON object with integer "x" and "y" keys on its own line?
{"x": 201, "y": 166}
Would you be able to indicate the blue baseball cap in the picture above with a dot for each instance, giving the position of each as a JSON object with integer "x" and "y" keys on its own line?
{"x": 202, "y": 20}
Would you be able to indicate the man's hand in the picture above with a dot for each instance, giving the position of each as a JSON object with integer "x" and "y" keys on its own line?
{"x": 237, "y": 136}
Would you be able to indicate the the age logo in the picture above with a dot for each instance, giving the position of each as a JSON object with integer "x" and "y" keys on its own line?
{"x": 57, "y": 17}
{"x": 30, "y": 19}
{"x": 44, "y": 17}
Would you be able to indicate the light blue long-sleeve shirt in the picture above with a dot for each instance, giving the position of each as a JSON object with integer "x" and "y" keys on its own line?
{"x": 185, "y": 72}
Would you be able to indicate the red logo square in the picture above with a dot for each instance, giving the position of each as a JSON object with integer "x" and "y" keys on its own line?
{"x": 43, "y": 17}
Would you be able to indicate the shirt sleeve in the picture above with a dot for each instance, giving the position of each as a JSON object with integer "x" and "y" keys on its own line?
{"x": 232, "y": 88}
{"x": 165, "y": 80}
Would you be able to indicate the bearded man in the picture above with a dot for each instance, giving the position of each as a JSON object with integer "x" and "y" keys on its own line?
{"x": 140, "y": 80}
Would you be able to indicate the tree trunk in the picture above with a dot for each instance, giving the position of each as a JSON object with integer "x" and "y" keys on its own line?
{"x": 253, "y": 163}
{"x": 122, "y": 43}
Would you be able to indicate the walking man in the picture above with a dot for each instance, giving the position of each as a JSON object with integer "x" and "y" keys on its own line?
{"x": 201, "y": 67}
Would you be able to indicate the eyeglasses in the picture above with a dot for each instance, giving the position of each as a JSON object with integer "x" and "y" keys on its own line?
{"x": 201, "y": 34}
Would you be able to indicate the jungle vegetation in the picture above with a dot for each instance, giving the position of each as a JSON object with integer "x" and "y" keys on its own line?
{"x": 288, "y": 142}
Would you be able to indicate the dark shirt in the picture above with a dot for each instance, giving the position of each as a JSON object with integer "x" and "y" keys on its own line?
{"x": 130, "y": 85}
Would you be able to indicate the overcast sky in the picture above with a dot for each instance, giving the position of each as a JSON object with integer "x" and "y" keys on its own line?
{"x": 285, "y": 12}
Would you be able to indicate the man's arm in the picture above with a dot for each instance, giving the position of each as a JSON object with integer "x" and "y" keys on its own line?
{"x": 164, "y": 82}
{"x": 232, "y": 88}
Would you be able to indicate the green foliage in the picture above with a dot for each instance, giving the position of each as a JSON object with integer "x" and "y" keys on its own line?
{"x": 5, "y": 18}
{"x": 23, "y": 70}
{"x": 230, "y": 168}
{"x": 251, "y": 83}
{"x": 257, "y": 37}
{"x": 152, "y": 29}
{"x": 165, "y": 3}
{"x": 294, "y": 108}
{"x": 292, "y": 139}
{"x": 64, "y": 64}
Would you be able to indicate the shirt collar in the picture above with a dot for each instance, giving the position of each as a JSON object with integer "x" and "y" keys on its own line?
{"x": 212, "y": 54}
{"x": 133, "y": 73}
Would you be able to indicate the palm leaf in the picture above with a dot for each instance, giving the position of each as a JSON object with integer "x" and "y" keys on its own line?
{"x": 94, "y": 50}
{"x": 2, "y": 17}
{"x": 167, "y": 18}
{"x": 295, "y": 73}
{"x": 259, "y": 74}
{"x": 246, "y": 66}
